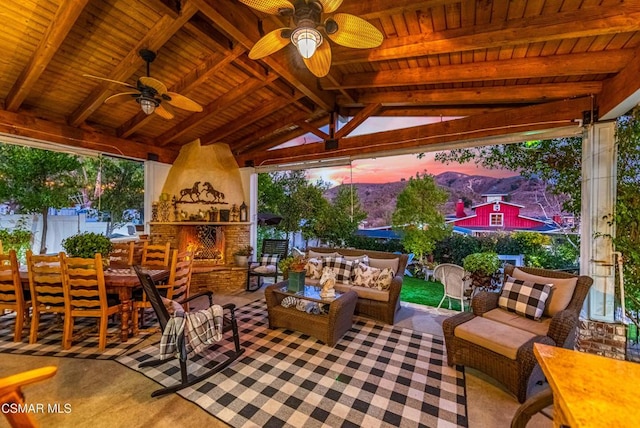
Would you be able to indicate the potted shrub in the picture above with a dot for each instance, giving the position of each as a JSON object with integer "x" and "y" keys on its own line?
{"x": 483, "y": 269}
{"x": 242, "y": 254}
{"x": 87, "y": 245}
{"x": 293, "y": 270}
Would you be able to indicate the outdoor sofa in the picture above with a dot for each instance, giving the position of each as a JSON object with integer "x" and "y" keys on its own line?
{"x": 380, "y": 304}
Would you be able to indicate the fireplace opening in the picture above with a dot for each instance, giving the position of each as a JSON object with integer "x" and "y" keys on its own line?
{"x": 206, "y": 242}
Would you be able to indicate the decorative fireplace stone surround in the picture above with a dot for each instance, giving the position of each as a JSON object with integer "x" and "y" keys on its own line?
{"x": 207, "y": 274}
{"x": 215, "y": 166}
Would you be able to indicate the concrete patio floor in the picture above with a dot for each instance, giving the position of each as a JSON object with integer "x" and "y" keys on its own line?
{"x": 107, "y": 394}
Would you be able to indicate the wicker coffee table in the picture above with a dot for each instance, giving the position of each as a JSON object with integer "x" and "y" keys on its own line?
{"x": 329, "y": 328}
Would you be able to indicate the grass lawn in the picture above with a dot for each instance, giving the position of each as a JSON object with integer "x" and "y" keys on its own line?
{"x": 423, "y": 292}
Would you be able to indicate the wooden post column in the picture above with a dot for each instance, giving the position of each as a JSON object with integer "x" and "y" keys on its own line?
{"x": 599, "y": 156}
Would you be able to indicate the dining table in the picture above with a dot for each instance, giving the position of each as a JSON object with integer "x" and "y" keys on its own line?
{"x": 120, "y": 280}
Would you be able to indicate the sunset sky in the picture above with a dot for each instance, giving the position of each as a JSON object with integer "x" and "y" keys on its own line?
{"x": 392, "y": 168}
{"x": 395, "y": 168}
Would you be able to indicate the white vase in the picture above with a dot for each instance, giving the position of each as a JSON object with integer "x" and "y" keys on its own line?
{"x": 240, "y": 260}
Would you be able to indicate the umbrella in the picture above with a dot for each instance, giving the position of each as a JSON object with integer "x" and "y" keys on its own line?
{"x": 269, "y": 219}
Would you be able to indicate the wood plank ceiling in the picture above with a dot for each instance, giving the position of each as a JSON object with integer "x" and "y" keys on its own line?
{"x": 503, "y": 66}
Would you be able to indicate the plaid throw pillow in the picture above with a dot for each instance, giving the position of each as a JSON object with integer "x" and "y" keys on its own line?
{"x": 340, "y": 266}
{"x": 269, "y": 259}
{"x": 524, "y": 297}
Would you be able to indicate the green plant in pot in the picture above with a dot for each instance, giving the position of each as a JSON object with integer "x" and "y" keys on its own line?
{"x": 87, "y": 245}
{"x": 293, "y": 270}
{"x": 483, "y": 269}
{"x": 242, "y": 254}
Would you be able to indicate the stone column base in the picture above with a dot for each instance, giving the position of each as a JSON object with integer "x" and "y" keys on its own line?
{"x": 601, "y": 338}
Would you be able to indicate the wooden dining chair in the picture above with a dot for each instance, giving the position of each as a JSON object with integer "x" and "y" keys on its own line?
{"x": 138, "y": 248}
{"x": 122, "y": 253}
{"x": 85, "y": 296}
{"x": 11, "y": 295}
{"x": 156, "y": 254}
{"x": 47, "y": 291}
{"x": 180, "y": 276}
{"x": 176, "y": 288}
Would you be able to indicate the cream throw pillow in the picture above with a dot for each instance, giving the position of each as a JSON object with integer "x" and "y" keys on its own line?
{"x": 314, "y": 268}
{"x": 365, "y": 276}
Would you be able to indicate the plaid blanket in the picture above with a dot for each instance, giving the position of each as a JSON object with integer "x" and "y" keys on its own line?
{"x": 198, "y": 329}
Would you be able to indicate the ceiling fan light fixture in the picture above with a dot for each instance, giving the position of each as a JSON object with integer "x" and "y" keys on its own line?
{"x": 306, "y": 40}
{"x": 148, "y": 105}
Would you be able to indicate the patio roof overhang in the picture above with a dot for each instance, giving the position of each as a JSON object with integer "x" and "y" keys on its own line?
{"x": 508, "y": 69}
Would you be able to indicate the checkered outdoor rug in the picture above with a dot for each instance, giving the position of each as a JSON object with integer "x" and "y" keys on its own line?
{"x": 376, "y": 376}
{"x": 50, "y": 345}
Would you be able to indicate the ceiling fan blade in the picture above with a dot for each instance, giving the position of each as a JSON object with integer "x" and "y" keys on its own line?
{"x": 354, "y": 32}
{"x": 116, "y": 98}
{"x": 160, "y": 87}
{"x": 269, "y": 43}
{"x": 329, "y": 6}
{"x": 320, "y": 62}
{"x": 182, "y": 102}
{"x": 272, "y": 7}
{"x": 109, "y": 80}
{"x": 164, "y": 111}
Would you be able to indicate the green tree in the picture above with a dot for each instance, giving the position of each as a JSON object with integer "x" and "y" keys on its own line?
{"x": 627, "y": 214}
{"x": 341, "y": 218}
{"x": 291, "y": 196}
{"x": 418, "y": 215}
{"x": 36, "y": 180}
{"x": 114, "y": 186}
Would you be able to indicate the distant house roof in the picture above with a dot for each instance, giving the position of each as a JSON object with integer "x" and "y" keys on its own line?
{"x": 497, "y": 202}
{"x": 545, "y": 228}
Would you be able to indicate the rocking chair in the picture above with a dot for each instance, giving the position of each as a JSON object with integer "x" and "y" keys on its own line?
{"x": 229, "y": 323}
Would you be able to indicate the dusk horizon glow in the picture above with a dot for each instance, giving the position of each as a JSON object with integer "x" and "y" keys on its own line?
{"x": 395, "y": 168}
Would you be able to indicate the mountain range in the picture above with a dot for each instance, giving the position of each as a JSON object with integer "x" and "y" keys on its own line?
{"x": 379, "y": 199}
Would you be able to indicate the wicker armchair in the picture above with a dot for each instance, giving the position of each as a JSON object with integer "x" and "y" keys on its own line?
{"x": 512, "y": 369}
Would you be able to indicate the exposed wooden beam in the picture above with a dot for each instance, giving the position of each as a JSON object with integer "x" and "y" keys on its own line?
{"x": 622, "y": 92}
{"x": 591, "y": 63}
{"x": 364, "y": 114}
{"x": 246, "y": 143}
{"x": 382, "y": 8}
{"x": 161, "y": 32}
{"x": 539, "y": 117}
{"x": 219, "y": 134}
{"x": 437, "y": 111}
{"x": 308, "y": 128}
{"x": 586, "y": 22}
{"x": 59, "y": 27}
{"x": 486, "y": 95}
{"x": 262, "y": 146}
{"x": 241, "y": 24}
{"x": 30, "y": 126}
{"x": 211, "y": 109}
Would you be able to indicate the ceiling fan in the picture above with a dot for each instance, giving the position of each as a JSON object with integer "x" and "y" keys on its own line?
{"x": 343, "y": 28}
{"x": 151, "y": 94}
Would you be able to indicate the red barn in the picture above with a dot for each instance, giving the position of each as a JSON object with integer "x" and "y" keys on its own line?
{"x": 494, "y": 215}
